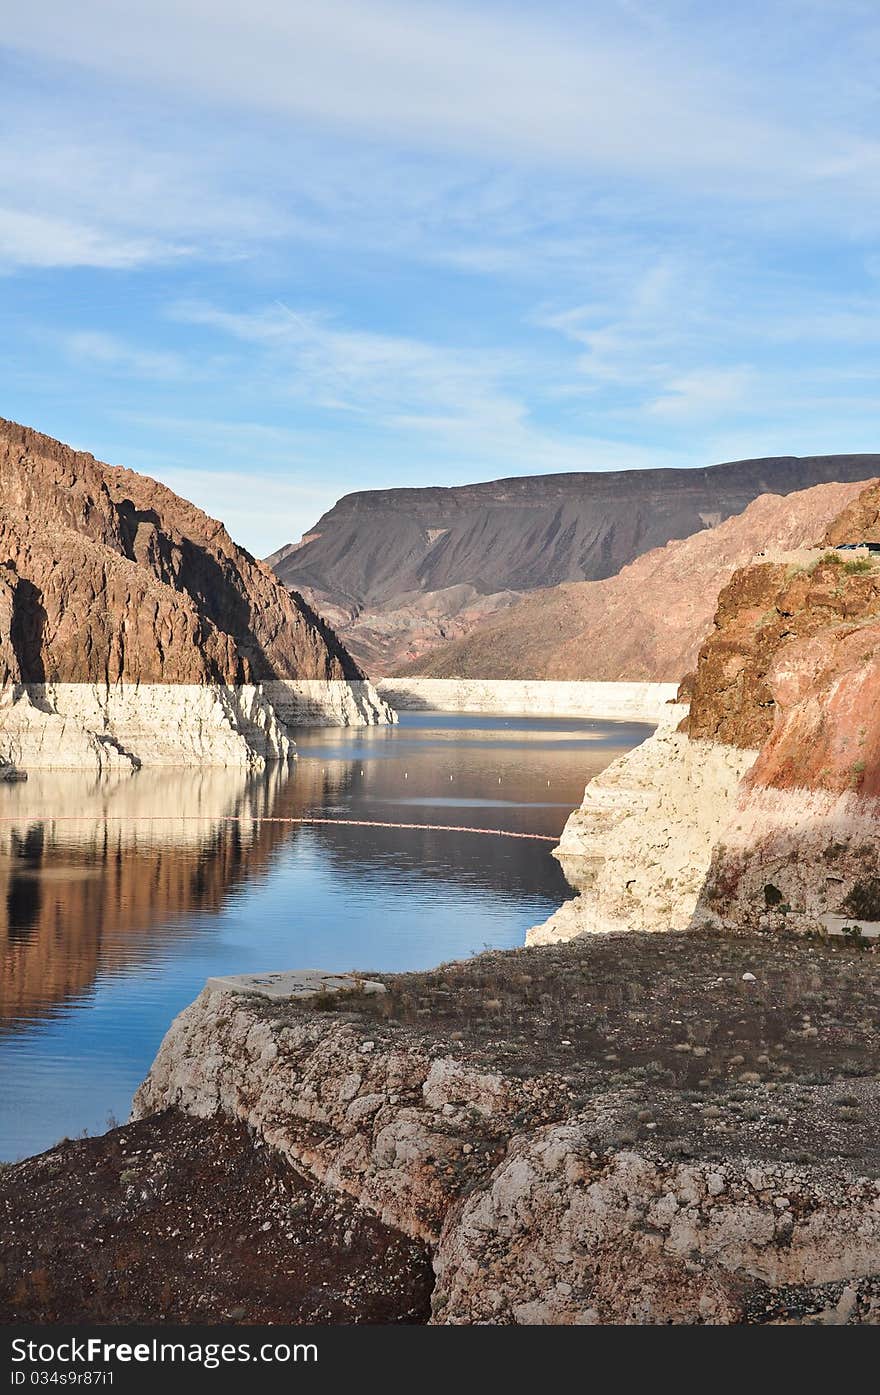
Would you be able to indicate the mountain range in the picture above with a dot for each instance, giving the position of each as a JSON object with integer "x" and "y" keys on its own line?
{"x": 398, "y": 572}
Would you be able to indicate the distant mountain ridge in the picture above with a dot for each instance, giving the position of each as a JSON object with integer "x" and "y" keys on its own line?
{"x": 399, "y": 571}
{"x": 649, "y": 621}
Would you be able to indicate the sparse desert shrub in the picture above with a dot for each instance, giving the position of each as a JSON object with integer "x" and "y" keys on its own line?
{"x": 863, "y": 901}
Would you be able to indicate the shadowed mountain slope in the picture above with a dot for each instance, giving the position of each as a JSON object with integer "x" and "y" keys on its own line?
{"x": 398, "y": 571}
{"x": 649, "y": 621}
{"x": 107, "y": 576}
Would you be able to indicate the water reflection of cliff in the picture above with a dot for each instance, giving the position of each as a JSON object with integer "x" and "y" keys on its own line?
{"x": 89, "y": 868}
{"x": 97, "y": 874}
{"x": 522, "y": 781}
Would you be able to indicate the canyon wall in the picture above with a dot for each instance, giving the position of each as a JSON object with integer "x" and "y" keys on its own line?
{"x": 401, "y": 571}
{"x": 134, "y": 630}
{"x": 639, "y": 847}
{"x": 762, "y": 810}
{"x": 794, "y": 663}
{"x": 647, "y": 622}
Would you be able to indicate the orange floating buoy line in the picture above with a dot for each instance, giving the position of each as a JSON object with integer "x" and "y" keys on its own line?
{"x": 278, "y": 818}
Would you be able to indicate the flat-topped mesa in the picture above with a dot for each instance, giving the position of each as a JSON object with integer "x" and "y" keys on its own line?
{"x": 125, "y": 611}
{"x": 762, "y": 811}
{"x": 401, "y": 572}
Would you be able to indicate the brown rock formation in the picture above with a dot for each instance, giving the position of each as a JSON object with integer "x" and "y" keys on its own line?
{"x": 649, "y": 621}
{"x": 789, "y": 664}
{"x": 107, "y": 576}
{"x": 792, "y": 669}
{"x": 401, "y": 571}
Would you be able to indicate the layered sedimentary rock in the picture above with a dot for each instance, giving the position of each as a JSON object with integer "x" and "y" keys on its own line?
{"x": 133, "y": 629}
{"x": 400, "y": 571}
{"x": 783, "y": 699}
{"x": 566, "y": 1234}
{"x": 795, "y": 664}
{"x": 647, "y": 622}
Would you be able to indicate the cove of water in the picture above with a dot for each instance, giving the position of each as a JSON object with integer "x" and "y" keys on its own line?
{"x": 119, "y": 897}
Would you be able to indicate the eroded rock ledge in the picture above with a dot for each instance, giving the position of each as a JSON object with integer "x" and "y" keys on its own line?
{"x": 638, "y": 849}
{"x": 91, "y": 726}
{"x": 629, "y": 1128}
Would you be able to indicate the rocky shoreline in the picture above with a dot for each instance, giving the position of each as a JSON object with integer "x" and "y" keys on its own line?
{"x": 636, "y": 702}
{"x": 90, "y": 726}
{"x": 631, "y": 1128}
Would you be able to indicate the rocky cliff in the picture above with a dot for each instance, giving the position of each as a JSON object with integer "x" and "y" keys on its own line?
{"x": 400, "y": 571}
{"x": 794, "y": 667}
{"x": 110, "y": 584}
{"x": 582, "y": 1134}
{"x": 649, "y": 620}
{"x": 781, "y": 745}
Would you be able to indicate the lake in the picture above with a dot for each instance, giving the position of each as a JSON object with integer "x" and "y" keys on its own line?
{"x": 120, "y": 896}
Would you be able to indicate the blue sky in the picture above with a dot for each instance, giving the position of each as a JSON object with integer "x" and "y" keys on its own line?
{"x": 274, "y": 253}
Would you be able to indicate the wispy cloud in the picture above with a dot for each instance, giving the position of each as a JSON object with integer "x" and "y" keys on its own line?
{"x": 107, "y": 352}
{"x": 370, "y": 243}
{"x": 42, "y": 240}
{"x": 596, "y": 88}
{"x": 472, "y": 403}
{"x": 703, "y": 393}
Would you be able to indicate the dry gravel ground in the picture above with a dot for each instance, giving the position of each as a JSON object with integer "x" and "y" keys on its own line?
{"x": 692, "y": 1018}
{"x": 687, "y": 1046}
{"x": 189, "y": 1221}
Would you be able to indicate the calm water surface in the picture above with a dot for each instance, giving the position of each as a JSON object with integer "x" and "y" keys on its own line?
{"x": 119, "y": 897}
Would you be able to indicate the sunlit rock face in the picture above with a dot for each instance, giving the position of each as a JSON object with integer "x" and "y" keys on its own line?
{"x": 646, "y": 623}
{"x": 134, "y": 630}
{"x": 794, "y": 666}
{"x": 782, "y": 742}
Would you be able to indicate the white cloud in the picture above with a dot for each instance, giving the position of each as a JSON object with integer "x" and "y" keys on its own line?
{"x": 109, "y": 353}
{"x": 597, "y": 88}
{"x": 705, "y": 392}
{"x": 42, "y": 240}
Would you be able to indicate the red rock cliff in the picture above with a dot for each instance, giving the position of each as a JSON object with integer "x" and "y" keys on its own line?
{"x": 106, "y": 575}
